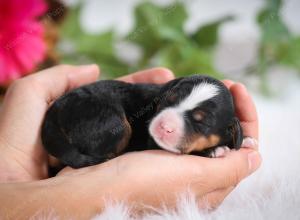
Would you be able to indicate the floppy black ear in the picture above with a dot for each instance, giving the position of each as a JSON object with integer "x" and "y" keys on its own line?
{"x": 169, "y": 85}
{"x": 235, "y": 132}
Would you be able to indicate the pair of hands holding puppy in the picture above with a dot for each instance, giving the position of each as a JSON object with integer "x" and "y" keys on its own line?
{"x": 148, "y": 178}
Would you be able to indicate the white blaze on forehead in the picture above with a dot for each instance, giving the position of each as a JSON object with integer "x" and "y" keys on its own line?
{"x": 200, "y": 93}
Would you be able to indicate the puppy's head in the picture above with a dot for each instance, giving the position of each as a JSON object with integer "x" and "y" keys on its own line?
{"x": 195, "y": 113}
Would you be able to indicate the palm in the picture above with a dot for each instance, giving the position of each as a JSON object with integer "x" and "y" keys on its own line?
{"x": 24, "y": 118}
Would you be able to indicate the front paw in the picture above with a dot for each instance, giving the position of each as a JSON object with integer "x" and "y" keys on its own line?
{"x": 220, "y": 151}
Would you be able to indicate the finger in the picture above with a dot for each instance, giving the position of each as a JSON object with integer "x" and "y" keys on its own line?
{"x": 71, "y": 171}
{"x": 245, "y": 110}
{"x": 156, "y": 75}
{"x": 231, "y": 169}
{"x": 213, "y": 199}
{"x": 249, "y": 142}
{"x": 228, "y": 83}
{"x": 54, "y": 82}
{"x": 67, "y": 171}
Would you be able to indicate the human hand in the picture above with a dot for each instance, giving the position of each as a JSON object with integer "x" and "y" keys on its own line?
{"x": 22, "y": 156}
{"x": 131, "y": 177}
{"x": 153, "y": 178}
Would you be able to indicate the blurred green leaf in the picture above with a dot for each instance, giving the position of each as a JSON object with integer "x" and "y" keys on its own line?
{"x": 97, "y": 48}
{"x": 103, "y": 43}
{"x": 275, "y": 35}
{"x": 186, "y": 59}
{"x": 292, "y": 54}
{"x": 207, "y": 35}
{"x": 159, "y": 32}
{"x": 273, "y": 28}
{"x": 277, "y": 45}
{"x": 71, "y": 25}
{"x": 155, "y": 26}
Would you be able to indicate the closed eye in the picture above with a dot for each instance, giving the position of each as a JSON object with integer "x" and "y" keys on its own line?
{"x": 198, "y": 115}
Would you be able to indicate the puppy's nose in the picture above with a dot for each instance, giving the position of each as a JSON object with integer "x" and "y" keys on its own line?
{"x": 167, "y": 128}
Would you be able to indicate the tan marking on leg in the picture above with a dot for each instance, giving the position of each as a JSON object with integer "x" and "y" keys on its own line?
{"x": 127, "y": 135}
{"x": 53, "y": 161}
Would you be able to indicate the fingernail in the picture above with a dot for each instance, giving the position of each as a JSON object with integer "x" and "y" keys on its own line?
{"x": 253, "y": 161}
{"x": 249, "y": 142}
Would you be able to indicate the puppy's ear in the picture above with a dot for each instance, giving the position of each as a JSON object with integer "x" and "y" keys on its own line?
{"x": 235, "y": 133}
{"x": 169, "y": 85}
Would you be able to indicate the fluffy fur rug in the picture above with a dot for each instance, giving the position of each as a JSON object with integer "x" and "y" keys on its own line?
{"x": 271, "y": 193}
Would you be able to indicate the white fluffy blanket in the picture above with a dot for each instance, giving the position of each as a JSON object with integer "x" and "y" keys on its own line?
{"x": 271, "y": 193}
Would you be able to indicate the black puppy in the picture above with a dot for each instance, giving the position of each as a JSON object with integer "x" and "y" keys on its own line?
{"x": 100, "y": 121}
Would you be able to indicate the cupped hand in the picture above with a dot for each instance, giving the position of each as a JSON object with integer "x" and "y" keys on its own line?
{"x": 156, "y": 178}
{"x": 140, "y": 178}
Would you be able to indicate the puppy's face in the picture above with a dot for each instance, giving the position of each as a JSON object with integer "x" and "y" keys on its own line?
{"x": 193, "y": 114}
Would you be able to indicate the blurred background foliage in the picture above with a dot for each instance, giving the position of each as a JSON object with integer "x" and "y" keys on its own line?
{"x": 159, "y": 34}
{"x": 277, "y": 45}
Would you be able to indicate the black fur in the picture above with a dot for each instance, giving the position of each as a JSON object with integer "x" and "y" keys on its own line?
{"x": 88, "y": 125}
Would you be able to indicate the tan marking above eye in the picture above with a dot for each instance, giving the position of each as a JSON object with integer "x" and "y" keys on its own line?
{"x": 171, "y": 98}
{"x": 198, "y": 115}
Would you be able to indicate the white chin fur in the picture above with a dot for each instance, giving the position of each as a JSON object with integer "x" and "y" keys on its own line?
{"x": 165, "y": 146}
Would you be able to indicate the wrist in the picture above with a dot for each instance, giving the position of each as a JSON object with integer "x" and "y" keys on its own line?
{"x": 82, "y": 192}
{"x": 26, "y": 199}
{"x": 51, "y": 197}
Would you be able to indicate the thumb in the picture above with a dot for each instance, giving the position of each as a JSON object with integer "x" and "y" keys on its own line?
{"x": 231, "y": 169}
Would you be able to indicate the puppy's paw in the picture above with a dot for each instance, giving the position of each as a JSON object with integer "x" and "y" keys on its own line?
{"x": 219, "y": 152}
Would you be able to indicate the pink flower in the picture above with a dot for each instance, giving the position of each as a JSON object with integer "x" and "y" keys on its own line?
{"x": 21, "y": 37}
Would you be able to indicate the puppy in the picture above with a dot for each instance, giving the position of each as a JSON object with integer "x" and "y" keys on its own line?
{"x": 97, "y": 122}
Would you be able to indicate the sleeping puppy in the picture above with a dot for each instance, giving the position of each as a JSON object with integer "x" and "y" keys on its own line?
{"x": 97, "y": 122}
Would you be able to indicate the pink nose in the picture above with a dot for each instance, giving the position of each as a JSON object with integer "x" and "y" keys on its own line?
{"x": 166, "y": 128}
